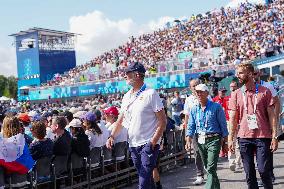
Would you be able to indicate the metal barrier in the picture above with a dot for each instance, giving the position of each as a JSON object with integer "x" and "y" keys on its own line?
{"x": 100, "y": 177}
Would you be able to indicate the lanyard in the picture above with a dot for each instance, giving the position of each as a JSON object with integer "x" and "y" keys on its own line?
{"x": 136, "y": 96}
{"x": 245, "y": 99}
{"x": 202, "y": 122}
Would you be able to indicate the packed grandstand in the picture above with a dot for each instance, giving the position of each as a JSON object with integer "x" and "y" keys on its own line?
{"x": 247, "y": 32}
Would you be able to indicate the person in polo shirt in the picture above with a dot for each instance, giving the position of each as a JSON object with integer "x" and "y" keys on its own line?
{"x": 143, "y": 115}
{"x": 252, "y": 107}
{"x": 207, "y": 119}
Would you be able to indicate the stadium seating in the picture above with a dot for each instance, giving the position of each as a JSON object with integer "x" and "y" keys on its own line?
{"x": 241, "y": 35}
{"x": 57, "y": 176}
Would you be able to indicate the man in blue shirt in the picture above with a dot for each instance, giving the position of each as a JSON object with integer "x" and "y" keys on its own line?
{"x": 208, "y": 122}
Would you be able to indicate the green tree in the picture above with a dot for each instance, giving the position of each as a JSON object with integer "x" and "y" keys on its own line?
{"x": 12, "y": 86}
{"x": 8, "y": 86}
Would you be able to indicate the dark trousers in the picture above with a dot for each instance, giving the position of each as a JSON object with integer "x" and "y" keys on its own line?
{"x": 263, "y": 158}
{"x": 145, "y": 159}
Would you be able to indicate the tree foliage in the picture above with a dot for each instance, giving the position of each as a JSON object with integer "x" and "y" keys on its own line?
{"x": 8, "y": 86}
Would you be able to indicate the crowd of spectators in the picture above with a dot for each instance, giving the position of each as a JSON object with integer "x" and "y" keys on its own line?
{"x": 247, "y": 32}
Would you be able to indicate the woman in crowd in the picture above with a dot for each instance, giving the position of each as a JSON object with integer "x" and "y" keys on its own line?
{"x": 11, "y": 126}
{"x": 41, "y": 146}
{"x": 92, "y": 130}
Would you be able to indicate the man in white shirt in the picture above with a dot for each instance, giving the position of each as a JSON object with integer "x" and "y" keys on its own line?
{"x": 190, "y": 102}
{"x": 142, "y": 114}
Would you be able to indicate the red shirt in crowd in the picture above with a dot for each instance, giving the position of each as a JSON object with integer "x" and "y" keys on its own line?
{"x": 224, "y": 103}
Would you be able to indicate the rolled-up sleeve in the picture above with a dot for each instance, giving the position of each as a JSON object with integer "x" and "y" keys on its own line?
{"x": 191, "y": 126}
{"x": 221, "y": 118}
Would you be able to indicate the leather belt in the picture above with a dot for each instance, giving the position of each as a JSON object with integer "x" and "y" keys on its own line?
{"x": 209, "y": 135}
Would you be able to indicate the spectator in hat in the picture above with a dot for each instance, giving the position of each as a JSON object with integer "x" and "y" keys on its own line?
{"x": 222, "y": 100}
{"x": 41, "y": 147}
{"x": 111, "y": 115}
{"x": 25, "y": 125}
{"x": 92, "y": 130}
{"x": 101, "y": 124}
{"x": 25, "y": 120}
{"x": 80, "y": 143}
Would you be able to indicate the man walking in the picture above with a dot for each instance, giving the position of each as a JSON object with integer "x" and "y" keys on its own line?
{"x": 142, "y": 113}
{"x": 177, "y": 107}
{"x": 252, "y": 107}
{"x": 207, "y": 119}
{"x": 234, "y": 158}
{"x": 190, "y": 102}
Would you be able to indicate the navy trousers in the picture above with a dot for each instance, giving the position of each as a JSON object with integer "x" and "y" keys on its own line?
{"x": 145, "y": 159}
{"x": 263, "y": 157}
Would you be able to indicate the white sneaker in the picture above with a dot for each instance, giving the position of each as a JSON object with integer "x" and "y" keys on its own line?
{"x": 199, "y": 180}
{"x": 232, "y": 167}
{"x": 238, "y": 167}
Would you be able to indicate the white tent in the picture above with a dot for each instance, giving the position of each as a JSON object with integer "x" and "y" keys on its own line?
{"x": 4, "y": 98}
{"x": 24, "y": 87}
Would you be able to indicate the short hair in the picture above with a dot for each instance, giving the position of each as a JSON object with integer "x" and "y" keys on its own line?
{"x": 11, "y": 126}
{"x": 60, "y": 121}
{"x": 234, "y": 81}
{"x": 247, "y": 65}
{"x": 141, "y": 75}
{"x": 38, "y": 129}
{"x": 195, "y": 80}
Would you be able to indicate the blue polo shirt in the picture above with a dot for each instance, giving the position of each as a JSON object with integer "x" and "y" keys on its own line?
{"x": 211, "y": 120}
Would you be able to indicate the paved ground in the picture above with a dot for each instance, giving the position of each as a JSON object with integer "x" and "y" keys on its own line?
{"x": 183, "y": 177}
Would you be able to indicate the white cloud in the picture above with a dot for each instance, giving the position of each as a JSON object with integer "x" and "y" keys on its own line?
{"x": 100, "y": 34}
{"x": 8, "y": 65}
{"x": 235, "y": 3}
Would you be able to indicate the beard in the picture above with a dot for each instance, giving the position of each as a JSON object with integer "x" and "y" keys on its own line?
{"x": 130, "y": 82}
{"x": 243, "y": 81}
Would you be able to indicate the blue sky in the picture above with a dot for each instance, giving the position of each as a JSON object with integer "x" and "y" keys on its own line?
{"x": 103, "y": 23}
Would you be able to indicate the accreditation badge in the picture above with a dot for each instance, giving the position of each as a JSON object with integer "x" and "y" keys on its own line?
{"x": 201, "y": 138}
{"x": 252, "y": 122}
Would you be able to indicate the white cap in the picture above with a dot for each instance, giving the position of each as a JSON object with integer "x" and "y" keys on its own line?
{"x": 73, "y": 110}
{"x": 79, "y": 114}
{"x": 202, "y": 87}
{"x": 75, "y": 123}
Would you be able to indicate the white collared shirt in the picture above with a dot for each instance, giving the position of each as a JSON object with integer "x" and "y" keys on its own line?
{"x": 190, "y": 102}
{"x": 139, "y": 117}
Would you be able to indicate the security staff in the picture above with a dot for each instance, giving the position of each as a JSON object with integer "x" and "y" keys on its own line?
{"x": 142, "y": 114}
